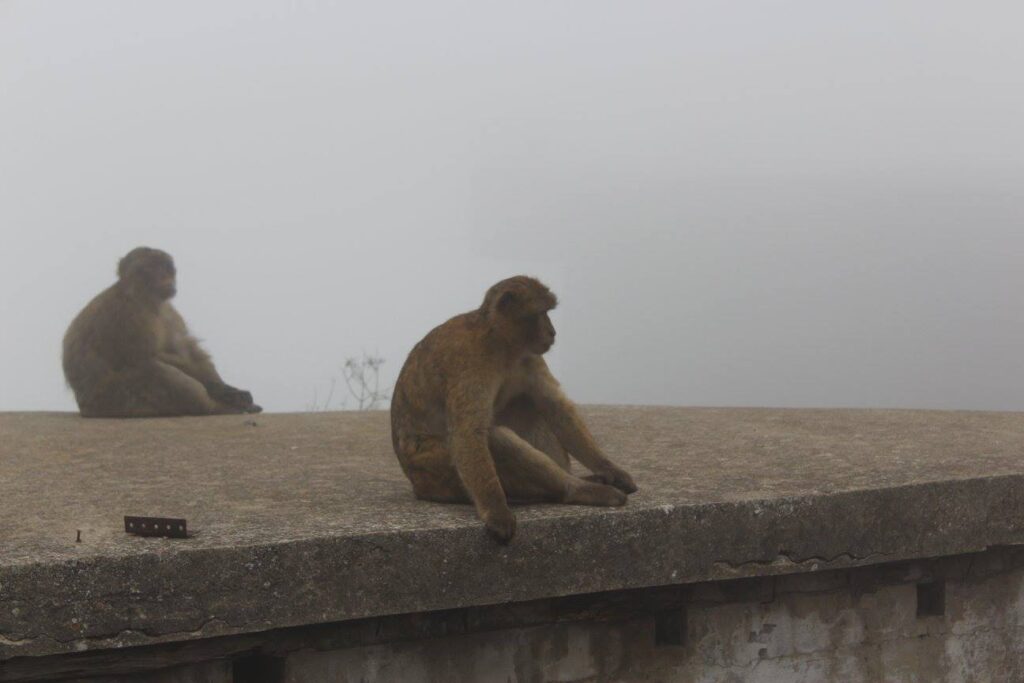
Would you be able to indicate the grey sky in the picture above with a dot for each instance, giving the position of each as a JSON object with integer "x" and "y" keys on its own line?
{"x": 749, "y": 203}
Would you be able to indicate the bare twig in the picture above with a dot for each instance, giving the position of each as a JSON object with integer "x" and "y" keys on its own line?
{"x": 362, "y": 379}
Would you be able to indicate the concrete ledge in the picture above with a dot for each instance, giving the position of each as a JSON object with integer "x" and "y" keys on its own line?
{"x": 306, "y": 519}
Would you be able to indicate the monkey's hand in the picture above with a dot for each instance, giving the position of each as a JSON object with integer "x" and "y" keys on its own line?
{"x": 614, "y": 477}
{"x": 229, "y": 395}
{"x": 501, "y": 524}
{"x": 236, "y": 400}
{"x": 237, "y": 397}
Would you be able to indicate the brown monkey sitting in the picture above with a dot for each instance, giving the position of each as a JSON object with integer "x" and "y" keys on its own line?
{"x": 128, "y": 353}
{"x": 476, "y": 415}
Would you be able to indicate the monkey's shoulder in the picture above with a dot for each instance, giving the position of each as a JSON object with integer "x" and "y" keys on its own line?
{"x": 448, "y": 347}
{"x": 458, "y": 332}
{"x": 521, "y": 380}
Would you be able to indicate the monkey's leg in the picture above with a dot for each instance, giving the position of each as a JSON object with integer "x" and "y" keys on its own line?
{"x": 568, "y": 426}
{"x": 156, "y": 389}
{"x": 528, "y": 474}
{"x": 523, "y": 417}
{"x": 432, "y": 473}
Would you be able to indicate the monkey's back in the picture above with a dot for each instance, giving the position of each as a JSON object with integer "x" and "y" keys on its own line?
{"x": 420, "y": 393}
{"x": 108, "y": 335}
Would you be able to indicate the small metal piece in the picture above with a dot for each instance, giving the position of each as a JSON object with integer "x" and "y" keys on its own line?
{"x": 78, "y": 539}
{"x": 156, "y": 526}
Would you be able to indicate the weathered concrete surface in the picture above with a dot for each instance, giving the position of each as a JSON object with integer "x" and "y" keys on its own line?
{"x": 307, "y": 518}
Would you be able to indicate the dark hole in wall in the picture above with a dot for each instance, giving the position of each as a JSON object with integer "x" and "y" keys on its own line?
{"x": 670, "y": 627}
{"x": 931, "y": 599}
{"x": 258, "y": 668}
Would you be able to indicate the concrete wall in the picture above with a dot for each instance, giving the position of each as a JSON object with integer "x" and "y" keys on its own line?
{"x": 956, "y": 619}
{"x": 753, "y": 521}
{"x": 802, "y": 629}
{"x": 207, "y": 672}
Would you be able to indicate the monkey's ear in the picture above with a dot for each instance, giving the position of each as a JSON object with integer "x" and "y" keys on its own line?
{"x": 507, "y": 301}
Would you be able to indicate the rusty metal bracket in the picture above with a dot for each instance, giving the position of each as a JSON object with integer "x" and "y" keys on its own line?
{"x": 156, "y": 526}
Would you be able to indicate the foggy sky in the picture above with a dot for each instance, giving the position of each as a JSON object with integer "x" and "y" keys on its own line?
{"x": 749, "y": 203}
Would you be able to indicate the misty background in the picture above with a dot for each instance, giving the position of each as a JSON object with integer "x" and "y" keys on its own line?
{"x": 749, "y": 203}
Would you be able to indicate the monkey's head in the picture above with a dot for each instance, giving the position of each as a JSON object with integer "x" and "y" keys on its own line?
{"x": 517, "y": 309}
{"x": 149, "y": 271}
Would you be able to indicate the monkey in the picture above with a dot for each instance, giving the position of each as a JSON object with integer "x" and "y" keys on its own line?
{"x": 128, "y": 353}
{"x": 477, "y": 417}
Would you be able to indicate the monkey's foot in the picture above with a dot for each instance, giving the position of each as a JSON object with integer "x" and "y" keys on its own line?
{"x": 592, "y": 493}
{"x": 617, "y": 478}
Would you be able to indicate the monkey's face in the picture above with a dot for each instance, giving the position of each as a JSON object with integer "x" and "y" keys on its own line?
{"x": 165, "y": 283}
{"x": 518, "y": 308}
{"x": 152, "y": 271}
{"x": 540, "y": 333}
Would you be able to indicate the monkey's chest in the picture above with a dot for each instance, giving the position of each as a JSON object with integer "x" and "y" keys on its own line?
{"x": 510, "y": 390}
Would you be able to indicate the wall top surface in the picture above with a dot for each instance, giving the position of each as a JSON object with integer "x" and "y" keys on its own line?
{"x": 307, "y": 518}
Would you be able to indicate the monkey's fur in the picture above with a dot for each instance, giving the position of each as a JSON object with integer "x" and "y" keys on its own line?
{"x": 476, "y": 416}
{"x": 128, "y": 353}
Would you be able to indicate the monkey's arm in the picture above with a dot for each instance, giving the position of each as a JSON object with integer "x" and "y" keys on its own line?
{"x": 469, "y": 425}
{"x": 198, "y": 365}
{"x": 194, "y": 362}
{"x": 203, "y": 364}
{"x": 565, "y": 421}
{"x": 183, "y": 351}
{"x": 202, "y": 368}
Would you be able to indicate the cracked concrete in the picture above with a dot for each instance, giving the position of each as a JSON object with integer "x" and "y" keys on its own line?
{"x": 785, "y": 561}
{"x": 305, "y": 519}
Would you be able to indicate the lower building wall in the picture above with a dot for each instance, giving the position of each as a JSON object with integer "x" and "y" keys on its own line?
{"x": 807, "y": 631}
{"x": 205, "y": 672}
{"x": 949, "y": 620}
